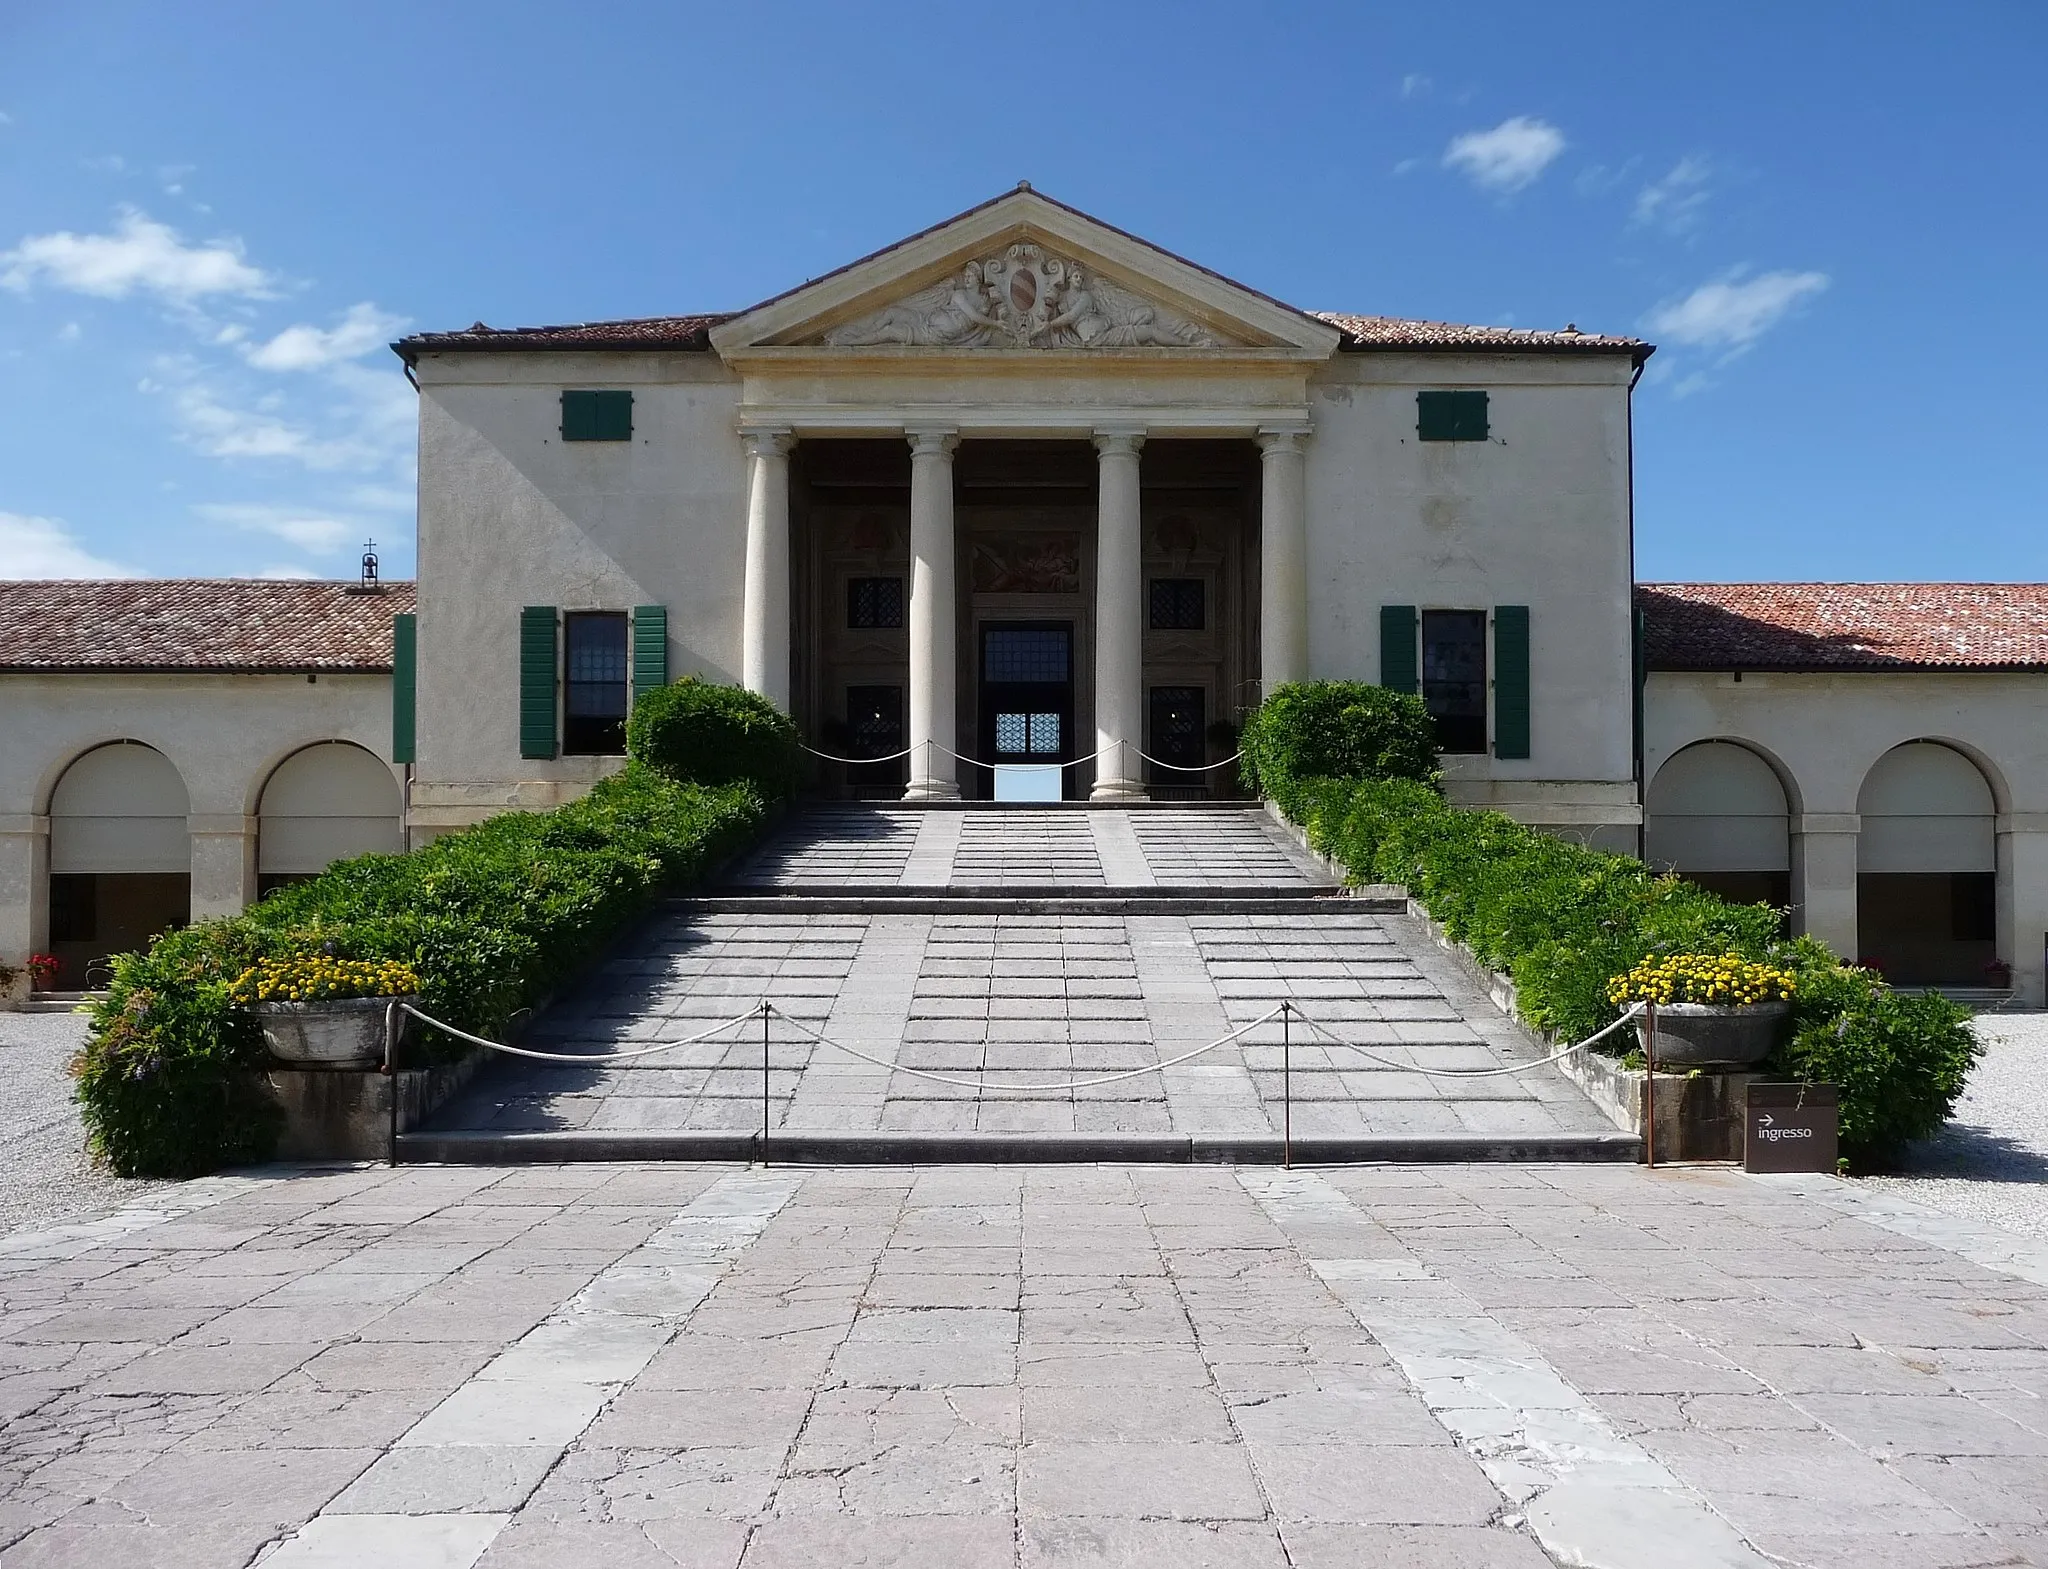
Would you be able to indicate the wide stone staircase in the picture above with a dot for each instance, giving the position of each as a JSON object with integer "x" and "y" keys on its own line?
{"x": 929, "y": 970}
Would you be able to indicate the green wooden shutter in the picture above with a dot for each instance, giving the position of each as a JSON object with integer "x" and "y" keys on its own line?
{"x": 537, "y": 681}
{"x": 1398, "y": 658}
{"x": 579, "y": 417}
{"x": 614, "y": 416}
{"x": 650, "y": 649}
{"x": 1511, "y": 681}
{"x": 404, "y": 688}
{"x": 597, "y": 416}
{"x": 1450, "y": 416}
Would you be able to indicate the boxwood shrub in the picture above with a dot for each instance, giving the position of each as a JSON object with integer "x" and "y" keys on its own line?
{"x": 1561, "y": 919}
{"x": 493, "y": 919}
{"x": 715, "y": 735}
{"x": 1337, "y": 729}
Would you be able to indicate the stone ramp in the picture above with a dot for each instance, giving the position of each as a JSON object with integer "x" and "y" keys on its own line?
{"x": 986, "y": 991}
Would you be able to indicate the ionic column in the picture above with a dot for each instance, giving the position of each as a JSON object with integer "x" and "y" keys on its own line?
{"x": 1283, "y": 558}
{"x": 932, "y": 610}
{"x": 1119, "y": 629}
{"x": 764, "y": 626}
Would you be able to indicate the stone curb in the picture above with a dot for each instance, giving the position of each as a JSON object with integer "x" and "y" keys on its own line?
{"x": 823, "y": 1148}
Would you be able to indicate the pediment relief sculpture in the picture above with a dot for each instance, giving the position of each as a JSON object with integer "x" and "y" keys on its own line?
{"x": 1026, "y": 297}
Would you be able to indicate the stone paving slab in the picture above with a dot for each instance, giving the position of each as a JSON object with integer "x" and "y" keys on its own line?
{"x": 621, "y": 1365}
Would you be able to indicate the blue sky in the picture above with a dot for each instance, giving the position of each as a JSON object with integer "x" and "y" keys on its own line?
{"x": 1832, "y": 217}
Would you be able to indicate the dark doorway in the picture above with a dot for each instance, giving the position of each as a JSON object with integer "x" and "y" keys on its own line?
{"x": 1929, "y": 928}
{"x": 1027, "y": 698}
{"x": 1178, "y": 732}
{"x": 874, "y": 728}
{"x": 94, "y": 915}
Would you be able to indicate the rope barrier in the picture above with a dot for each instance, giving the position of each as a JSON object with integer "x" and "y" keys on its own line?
{"x": 580, "y": 1057}
{"x": 765, "y": 1009}
{"x": 1029, "y": 1089}
{"x": 1634, "y": 1008}
{"x": 1191, "y": 768}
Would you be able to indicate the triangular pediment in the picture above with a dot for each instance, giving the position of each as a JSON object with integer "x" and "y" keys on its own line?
{"x": 1024, "y": 273}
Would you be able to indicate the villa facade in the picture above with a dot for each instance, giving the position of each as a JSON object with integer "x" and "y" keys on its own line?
{"x": 1024, "y": 497}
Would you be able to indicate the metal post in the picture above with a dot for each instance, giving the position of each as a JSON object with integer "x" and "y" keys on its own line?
{"x": 1287, "y": 1086}
{"x": 1650, "y": 1085}
{"x": 391, "y": 1073}
{"x": 764, "y": 1083}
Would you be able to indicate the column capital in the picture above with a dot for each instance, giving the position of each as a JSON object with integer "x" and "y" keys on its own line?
{"x": 1119, "y": 440}
{"x": 1282, "y": 438}
{"x": 932, "y": 441}
{"x": 768, "y": 441}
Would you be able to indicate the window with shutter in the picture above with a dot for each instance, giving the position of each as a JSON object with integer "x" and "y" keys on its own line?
{"x": 1450, "y": 416}
{"x": 595, "y": 688}
{"x": 537, "y": 680}
{"x": 1454, "y": 678}
{"x": 597, "y": 416}
{"x": 1398, "y": 670}
{"x": 1511, "y": 681}
{"x": 404, "y": 688}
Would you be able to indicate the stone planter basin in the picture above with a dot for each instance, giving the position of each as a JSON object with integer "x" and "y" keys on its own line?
{"x": 1716, "y": 1035}
{"x": 337, "y": 1032}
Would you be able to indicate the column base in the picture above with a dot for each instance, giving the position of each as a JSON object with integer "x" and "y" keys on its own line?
{"x": 1113, "y": 789}
{"x": 932, "y": 790}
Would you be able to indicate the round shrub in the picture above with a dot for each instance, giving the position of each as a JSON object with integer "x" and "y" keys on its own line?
{"x": 1898, "y": 1060}
{"x": 715, "y": 735}
{"x": 1337, "y": 730}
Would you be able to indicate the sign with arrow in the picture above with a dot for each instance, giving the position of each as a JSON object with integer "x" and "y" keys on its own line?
{"x": 1790, "y": 1127}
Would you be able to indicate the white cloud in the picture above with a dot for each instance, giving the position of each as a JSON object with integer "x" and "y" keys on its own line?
{"x": 304, "y": 347}
{"x": 1415, "y": 85}
{"x": 1677, "y": 202}
{"x": 286, "y": 574}
{"x": 44, "y": 547}
{"x": 1507, "y": 157}
{"x": 308, "y": 528}
{"x": 1734, "y": 312}
{"x": 140, "y": 255}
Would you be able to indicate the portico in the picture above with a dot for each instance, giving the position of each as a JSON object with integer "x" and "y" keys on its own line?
{"x": 1045, "y": 536}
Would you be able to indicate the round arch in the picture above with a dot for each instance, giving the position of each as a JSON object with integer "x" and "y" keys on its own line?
{"x": 120, "y": 855}
{"x": 1717, "y": 813}
{"x": 1927, "y": 868}
{"x": 324, "y": 803}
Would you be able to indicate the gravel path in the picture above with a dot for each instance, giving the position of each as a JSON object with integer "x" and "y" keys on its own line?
{"x": 1991, "y": 1162}
{"x": 44, "y": 1175}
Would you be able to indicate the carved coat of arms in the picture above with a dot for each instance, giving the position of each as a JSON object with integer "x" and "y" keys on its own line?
{"x": 1027, "y": 297}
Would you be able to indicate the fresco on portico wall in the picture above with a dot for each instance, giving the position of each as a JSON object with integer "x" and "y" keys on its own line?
{"x": 1027, "y": 564}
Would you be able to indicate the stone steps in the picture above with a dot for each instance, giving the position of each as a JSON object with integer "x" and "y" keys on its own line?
{"x": 1030, "y": 899}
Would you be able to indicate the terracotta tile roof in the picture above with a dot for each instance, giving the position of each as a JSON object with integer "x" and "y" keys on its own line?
{"x": 1844, "y": 626}
{"x": 196, "y": 624}
{"x": 694, "y": 333}
{"x": 646, "y": 332}
{"x": 1398, "y": 332}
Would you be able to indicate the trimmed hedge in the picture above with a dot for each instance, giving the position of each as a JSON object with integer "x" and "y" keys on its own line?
{"x": 716, "y": 735}
{"x": 1337, "y": 729}
{"x": 1562, "y": 920}
{"x": 493, "y": 919}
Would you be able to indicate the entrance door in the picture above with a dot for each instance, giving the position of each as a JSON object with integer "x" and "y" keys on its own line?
{"x": 1027, "y": 697}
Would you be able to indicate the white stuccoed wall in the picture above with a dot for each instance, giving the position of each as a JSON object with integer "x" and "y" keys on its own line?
{"x": 223, "y": 733}
{"x": 1537, "y": 514}
{"x": 1822, "y": 734}
{"x": 510, "y": 515}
